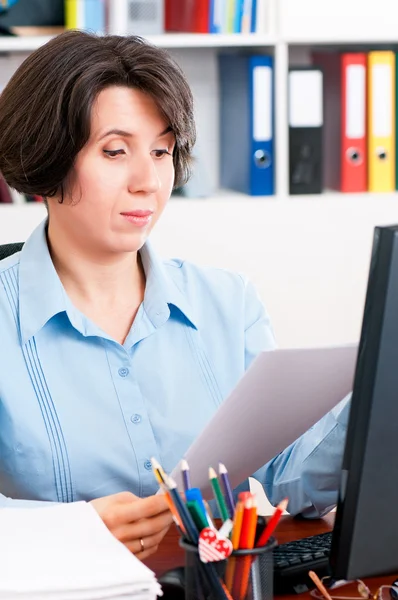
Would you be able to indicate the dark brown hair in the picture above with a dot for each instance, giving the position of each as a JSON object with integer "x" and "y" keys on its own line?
{"x": 45, "y": 110}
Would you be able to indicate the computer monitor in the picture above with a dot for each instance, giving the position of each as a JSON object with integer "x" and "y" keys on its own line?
{"x": 365, "y": 535}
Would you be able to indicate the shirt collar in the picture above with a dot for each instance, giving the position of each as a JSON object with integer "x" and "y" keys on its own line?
{"x": 42, "y": 295}
{"x": 161, "y": 290}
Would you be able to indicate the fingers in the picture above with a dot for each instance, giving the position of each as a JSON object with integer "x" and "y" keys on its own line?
{"x": 147, "y": 553}
{"x": 125, "y": 497}
{"x": 113, "y": 502}
{"x": 151, "y": 543}
{"x": 143, "y": 528}
{"x": 143, "y": 508}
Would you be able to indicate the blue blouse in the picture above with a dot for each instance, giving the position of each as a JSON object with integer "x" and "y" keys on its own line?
{"x": 81, "y": 415}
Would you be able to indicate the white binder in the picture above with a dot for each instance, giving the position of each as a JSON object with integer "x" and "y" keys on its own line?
{"x": 136, "y": 17}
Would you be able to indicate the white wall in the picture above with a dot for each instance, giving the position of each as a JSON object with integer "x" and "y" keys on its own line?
{"x": 308, "y": 257}
{"x": 328, "y": 20}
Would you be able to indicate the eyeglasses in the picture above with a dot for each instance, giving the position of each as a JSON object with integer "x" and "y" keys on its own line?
{"x": 350, "y": 590}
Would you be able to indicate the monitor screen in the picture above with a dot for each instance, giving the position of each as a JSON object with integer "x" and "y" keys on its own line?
{"x": 365, "y": 536}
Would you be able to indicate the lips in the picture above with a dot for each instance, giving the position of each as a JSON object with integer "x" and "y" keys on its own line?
{"x": 139, "y": 218}
{"x": 137, "y": 213}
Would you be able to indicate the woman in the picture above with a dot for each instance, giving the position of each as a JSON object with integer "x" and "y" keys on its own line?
{"x": 110, "y": 356}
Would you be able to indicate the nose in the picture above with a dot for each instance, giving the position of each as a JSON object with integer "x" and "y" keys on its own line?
{"x": 143, "y": 176}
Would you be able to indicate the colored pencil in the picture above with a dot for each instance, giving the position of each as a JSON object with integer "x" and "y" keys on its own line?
{"x": 185, "y": 515}
{"x": 319, "y": 585}
{"x": 160, "y": 475}
{"x": 246, "y": 542}
{"x": 229, "y": 572}
{"x": 272, "y": 523}
{"x": 237, "y": 527}
{"x": 186, "y": 478}
{"x": 194, "y": 494}
{"x": 244, "y": 576}
{"x": 197, "y": 514}
{"x": 261, "y": 525}
{"x": 227, "y": 489}
{"x": 218, "y": 494}
{"x": 248, "y": 532}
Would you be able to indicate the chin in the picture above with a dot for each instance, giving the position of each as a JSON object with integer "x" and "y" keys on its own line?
{"x": 129, "y": 243}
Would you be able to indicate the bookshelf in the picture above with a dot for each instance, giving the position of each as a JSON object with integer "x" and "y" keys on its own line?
{"x": 320, "y": 243}
{"x": 29, "y": 43}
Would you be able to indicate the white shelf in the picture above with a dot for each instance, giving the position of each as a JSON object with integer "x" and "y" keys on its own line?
{"x": 204, "y": 40}
{"x": 168, "y": 40}
{"x": 22, "y": 43}
{"x": 348, "y": 39}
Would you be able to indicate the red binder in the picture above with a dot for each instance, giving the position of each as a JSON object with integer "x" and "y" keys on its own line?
{"x": 345, "y": 147}
{"x": 189, "y": 16}
{"x": 353, "y": 123}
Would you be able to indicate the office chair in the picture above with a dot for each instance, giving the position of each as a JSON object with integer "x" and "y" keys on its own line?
{"x": 9, "y": 249}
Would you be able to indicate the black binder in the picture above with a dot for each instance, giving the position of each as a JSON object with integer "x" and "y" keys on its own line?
{"x": 305, "y": 130}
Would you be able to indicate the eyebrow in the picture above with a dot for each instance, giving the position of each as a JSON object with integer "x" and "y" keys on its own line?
{"x": 128, "y": 134}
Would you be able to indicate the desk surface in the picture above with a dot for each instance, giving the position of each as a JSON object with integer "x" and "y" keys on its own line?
{"x": 171, "y": 555}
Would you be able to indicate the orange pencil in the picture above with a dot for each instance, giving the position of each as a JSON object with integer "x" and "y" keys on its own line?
{"x": 237, "y": 526}
{"x": 272, "y": 523}
{"x": 229, "y": 572}
{"x": 246, "y": 542}
{"x": 244, "y": 576}
{"x": 248, "y": 532}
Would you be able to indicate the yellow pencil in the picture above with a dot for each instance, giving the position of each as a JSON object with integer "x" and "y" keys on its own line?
{"x": 160, "y": 478}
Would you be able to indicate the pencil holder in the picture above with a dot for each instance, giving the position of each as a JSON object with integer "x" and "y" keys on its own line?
{"x": 245, "y": 575}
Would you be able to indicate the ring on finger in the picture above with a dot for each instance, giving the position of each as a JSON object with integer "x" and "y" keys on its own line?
{"x": 142, "y": 545}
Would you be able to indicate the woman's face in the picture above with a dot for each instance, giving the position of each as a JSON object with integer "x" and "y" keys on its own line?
{"x": 122, "y": 178}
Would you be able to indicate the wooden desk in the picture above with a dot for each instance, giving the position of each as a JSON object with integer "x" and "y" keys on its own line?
{"x": 171, "y": 555}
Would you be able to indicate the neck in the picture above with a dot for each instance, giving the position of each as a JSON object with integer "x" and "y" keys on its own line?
{"x": 101, "y": 280}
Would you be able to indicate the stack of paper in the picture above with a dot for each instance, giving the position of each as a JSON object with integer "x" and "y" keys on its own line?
{"x": 65, "y": 552}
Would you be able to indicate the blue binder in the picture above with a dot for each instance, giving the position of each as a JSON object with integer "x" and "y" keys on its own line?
{"x": 247, "y": 124}
{"x": 94, "y": 16}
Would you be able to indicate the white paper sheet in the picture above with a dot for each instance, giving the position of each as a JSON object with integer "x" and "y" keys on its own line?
{"x": 282, "y": 394}
{"x": 65, "y": 552}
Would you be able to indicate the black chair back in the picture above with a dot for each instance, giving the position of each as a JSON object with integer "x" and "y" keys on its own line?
{"x": 9, "y": 249}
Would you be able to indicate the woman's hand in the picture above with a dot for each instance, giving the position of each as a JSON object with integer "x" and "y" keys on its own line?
{"x": 139, "y": 523}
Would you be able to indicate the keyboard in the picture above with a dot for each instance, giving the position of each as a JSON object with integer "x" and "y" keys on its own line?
{"x": 293, "y": 560}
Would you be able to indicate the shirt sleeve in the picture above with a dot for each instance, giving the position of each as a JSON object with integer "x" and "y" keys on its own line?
{"x": 308, "y": 471}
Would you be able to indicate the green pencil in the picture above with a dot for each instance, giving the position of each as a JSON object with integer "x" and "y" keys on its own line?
{"x": 222, "y": 507}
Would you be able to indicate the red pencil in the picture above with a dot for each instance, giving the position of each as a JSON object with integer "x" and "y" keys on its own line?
{"x": 248, "y": 531}
{"x": 272, "y": 523}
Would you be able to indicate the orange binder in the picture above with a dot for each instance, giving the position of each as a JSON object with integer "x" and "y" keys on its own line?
{"x": 381, "y": 125}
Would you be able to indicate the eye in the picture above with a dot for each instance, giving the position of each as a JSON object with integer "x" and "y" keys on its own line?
{"x": 113, "y": 153}
{"x": 161, "y": 153}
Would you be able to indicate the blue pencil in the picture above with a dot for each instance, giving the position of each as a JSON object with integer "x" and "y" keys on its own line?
{"x": 227, "y": 489}
{"x": 185, "y": 475}
{"x": 188, "y": 522}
